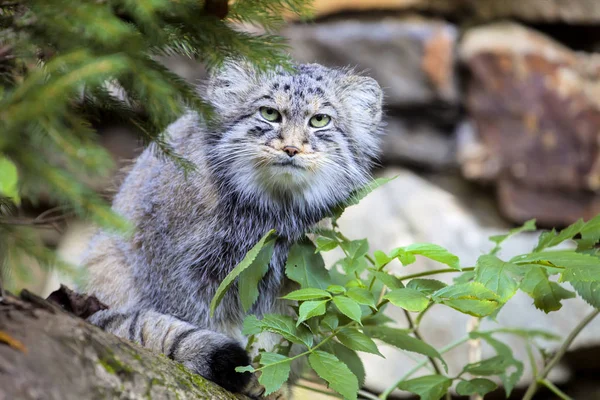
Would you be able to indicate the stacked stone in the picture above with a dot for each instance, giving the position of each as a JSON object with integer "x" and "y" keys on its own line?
{"x": 503, "y": 102}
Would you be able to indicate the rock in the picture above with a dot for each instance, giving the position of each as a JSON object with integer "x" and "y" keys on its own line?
{"x": 535, "y": 106}
{"x": 411, "y": 58}
{"x": 548, "y": 11}
{"x": 411, "y": 209}
{"x": 417, "y": 142}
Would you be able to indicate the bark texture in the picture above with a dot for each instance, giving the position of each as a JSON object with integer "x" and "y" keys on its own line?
{"x": 49, "y": 353}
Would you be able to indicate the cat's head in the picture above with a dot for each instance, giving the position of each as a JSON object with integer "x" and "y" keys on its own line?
{"x": 307, "y": 135}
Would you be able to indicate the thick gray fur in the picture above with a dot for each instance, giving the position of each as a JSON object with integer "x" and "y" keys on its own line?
{"x": 191, "y": 232}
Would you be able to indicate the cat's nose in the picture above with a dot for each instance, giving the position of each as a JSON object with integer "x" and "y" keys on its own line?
{"x": 291, "y": 150}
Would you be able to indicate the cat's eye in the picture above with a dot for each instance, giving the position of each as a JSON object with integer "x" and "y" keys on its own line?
{"x": 319, "y": 120}
{"x": 270, "y": 114}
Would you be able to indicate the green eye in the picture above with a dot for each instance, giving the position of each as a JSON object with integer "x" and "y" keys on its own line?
{"x": 319, "y": 120}
{"x": 270, "y": 114}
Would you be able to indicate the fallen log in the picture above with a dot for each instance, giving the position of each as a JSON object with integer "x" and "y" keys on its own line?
{"x": 47, "y": 352}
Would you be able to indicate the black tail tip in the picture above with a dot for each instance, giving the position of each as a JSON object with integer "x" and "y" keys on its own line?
{"x": 222, "y": 367}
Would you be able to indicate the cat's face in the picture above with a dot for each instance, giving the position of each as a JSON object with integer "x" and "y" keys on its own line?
{"x": 310, "y": 134}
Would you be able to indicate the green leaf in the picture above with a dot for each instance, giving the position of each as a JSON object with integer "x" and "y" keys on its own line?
{"x": 252, "y": 325}
{"x": 478, "y": 386}
{"x": 356, "y": 248}
{"x": 465, "y": 277}
{"x": 405, "y": 257}
{"x": 589, "y": 291}
{"x": 551, "y": 238}
{"x": 381, "y": 259}
{"x": 430, "y": 387}
{"x": 545, "y": 293}
{"x": 425, "y": 286}
{"x": 579, "y": 267}
{"x": 498, "y": 239}
{"x": 434, "y": 252}
{"x": 348, "y": 307}
{"x": 330, "y": 321}
{"x": 307, "y": 294}
{"x": 362, "y": 193}
{"x": 409, "y": 299}
{"x": 273, "y": 376}
{"x": 284, "y": 325}
{"x": 305, "y": 267}
{"x": 401, "y": 339}
{"x": 310, "y": 309}
{"x": 336, "y": 289}
{"x": 573, "y": 266}
{"x": 377, "y": 319}
{"x": 230, "y": 278}
{"x": 500, "y": 277}
{"x": 590, "y": 234}
{"x": 361, "y": 296}
{"x": 492, "y": 366}
{"x": 356, "y": 340}
{"x": 509, "y": 379}
{"x": 339, "y": 377}
{"x": 388, "y": 280}
{"x": 352, "y": 266}
{"x": 247, "y": 368}
{"x": 352, "y": 361}
{"x": 470, "y": 298}
{"x": 326, "y": 244}
{"x": 251, "y": 276}
{"x": 9, "y": 179}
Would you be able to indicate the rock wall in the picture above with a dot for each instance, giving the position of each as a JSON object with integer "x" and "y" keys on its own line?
{"x": 506, "y": 104}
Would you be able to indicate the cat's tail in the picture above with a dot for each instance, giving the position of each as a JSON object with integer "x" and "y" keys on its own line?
{"x": 207, "y": 353}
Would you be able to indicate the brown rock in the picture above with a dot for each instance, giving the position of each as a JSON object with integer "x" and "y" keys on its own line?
{"x": 536, "y": 109}
{"x": 412, "y": 58}
{"x": 569, "y": 11}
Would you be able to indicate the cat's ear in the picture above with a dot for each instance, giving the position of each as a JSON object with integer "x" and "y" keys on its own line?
{"x": 229, "y": 85}
{"x": 364, "y": 98}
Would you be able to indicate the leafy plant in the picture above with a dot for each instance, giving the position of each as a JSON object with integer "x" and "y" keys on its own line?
{"x": 67, "y": 65}
{"x": 339, "y": 312}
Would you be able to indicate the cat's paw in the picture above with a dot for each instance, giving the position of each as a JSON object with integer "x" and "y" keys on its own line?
{"x": 217, "y": 362}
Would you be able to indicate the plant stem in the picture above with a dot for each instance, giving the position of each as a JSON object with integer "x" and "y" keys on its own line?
{"x": 309, "y": 351}
{"x": 434, "y": 272}
{"x": 420, "y": 365}
{"x": 555, "y": 390}
{"x": 415, "y": 331}
{"x": 367, "y": 395}
{"x": 559, "y": 355}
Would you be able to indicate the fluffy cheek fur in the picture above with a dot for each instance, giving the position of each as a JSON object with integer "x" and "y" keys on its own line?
{"x": 326, "y": 176}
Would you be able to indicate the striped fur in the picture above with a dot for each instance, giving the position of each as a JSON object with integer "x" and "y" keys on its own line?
{"x": 191, "y": 231}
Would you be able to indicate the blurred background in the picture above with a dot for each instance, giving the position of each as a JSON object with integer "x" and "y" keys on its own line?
{"x": 493, "y": 118}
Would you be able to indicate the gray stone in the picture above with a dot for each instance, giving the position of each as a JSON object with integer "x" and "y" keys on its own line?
{"x": 411, "y": 58}
{"x": 417, "y": 143}
{"x": 549, "y": 11}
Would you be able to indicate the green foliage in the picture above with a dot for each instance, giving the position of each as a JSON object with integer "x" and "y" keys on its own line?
{"x": 257, "y": 261}
{"x": 67, "y": 66}
{"x": 339, "y": 377}
{"x": 478, "y": 386}
{"x": 8, "y": 180}
{"x": 340, "y": 311}
{"x": 431, "y": 387}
